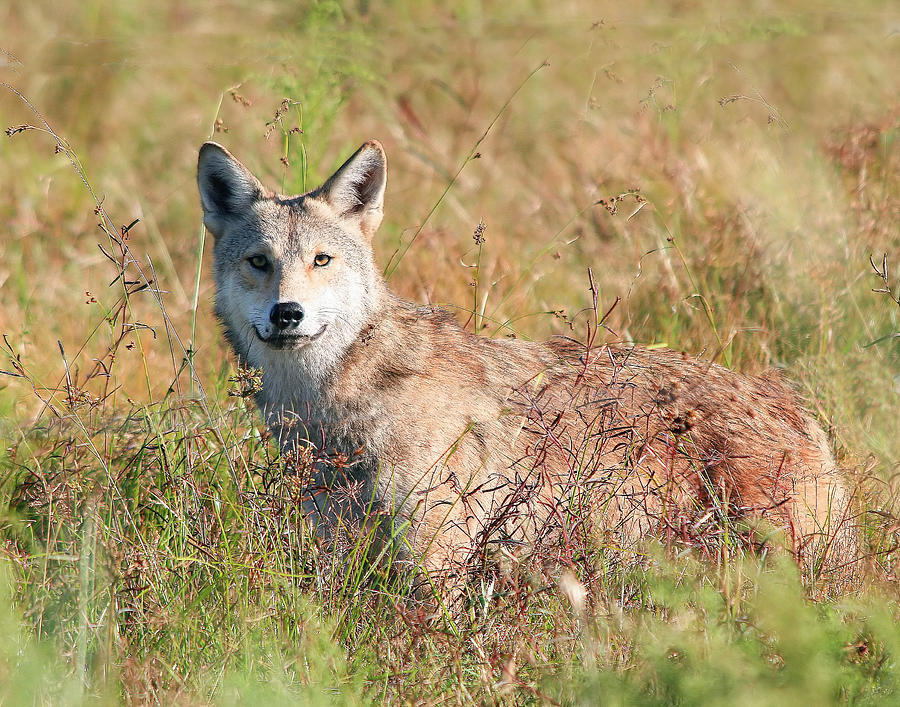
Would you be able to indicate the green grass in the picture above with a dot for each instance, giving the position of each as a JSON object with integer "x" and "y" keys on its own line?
{"x": 151, "y": 550}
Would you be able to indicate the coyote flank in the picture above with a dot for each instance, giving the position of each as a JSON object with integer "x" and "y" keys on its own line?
{"x": 440, "y": 442}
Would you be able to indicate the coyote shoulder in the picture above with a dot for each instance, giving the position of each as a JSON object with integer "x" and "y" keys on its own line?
{"x": 446, "y": 443}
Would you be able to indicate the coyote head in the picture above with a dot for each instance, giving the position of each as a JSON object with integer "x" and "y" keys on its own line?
{"x": 295, "y": 276}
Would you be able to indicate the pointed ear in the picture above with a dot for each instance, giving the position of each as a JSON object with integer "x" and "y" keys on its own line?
{"x": 227, "y": 188}
{"x": 356, "y": 190}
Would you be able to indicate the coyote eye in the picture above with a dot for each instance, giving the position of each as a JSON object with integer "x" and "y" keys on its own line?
{"x": 260, "y": 262}
{"x": 321, "y": 260}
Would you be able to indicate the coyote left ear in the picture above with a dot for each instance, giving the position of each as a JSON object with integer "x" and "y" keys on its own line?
{"x": 227, "y": 188}
{"x": 356, "y": 190}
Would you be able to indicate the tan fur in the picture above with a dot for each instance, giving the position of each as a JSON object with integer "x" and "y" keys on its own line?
{"x": 446, "y": 443}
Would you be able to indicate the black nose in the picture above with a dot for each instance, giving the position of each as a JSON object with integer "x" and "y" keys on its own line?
{"x": 286, "y": 315}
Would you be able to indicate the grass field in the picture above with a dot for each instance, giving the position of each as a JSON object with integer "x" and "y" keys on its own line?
{"x": 729, "y": 172}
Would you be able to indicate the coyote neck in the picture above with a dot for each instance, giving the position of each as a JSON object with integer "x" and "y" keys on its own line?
{"x": 302, "y": 397}
{"x": 400, "y": 350}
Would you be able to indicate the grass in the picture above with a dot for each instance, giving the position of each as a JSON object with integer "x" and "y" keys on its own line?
{"x": 152, "y": 551}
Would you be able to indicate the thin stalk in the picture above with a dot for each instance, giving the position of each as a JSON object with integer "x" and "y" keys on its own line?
{"x": 403, "y": 249}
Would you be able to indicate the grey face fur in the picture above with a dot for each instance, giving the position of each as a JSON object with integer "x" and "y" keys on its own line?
{"x": 295, "y": 279}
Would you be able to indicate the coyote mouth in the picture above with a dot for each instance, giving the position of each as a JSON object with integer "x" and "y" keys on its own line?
{"x": 291, "y": 341}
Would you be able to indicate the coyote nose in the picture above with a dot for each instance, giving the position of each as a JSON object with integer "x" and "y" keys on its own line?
{"x": 286, "y": 315}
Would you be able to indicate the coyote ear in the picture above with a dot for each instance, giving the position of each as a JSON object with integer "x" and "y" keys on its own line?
{"x": 356, "y": 190}
{"x": 227, "y": 188}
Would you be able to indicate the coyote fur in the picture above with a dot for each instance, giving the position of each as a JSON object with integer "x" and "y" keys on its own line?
{"x": 445, "y": 444}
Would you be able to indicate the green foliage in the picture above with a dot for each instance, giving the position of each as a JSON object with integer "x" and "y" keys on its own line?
{"x": 766, "y": 644}
{"x": 30, "y": 672}
{"x": 318, "y": 81}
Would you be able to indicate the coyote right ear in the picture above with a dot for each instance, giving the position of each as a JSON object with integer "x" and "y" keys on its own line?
{"x": 227, "y": 188}
{"x": 356, "y": 190}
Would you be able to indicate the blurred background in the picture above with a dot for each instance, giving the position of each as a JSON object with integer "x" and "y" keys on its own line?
{"x": 762, "y": 141}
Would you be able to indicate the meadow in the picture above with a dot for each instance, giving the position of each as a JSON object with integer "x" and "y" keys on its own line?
{"x": 728, "y": 172}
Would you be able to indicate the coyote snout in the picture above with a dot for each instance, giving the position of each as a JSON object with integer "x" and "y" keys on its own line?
{"x": 286, "y": 331}
{"x": 446, "y": 443}
{"x": 286, "y": 316}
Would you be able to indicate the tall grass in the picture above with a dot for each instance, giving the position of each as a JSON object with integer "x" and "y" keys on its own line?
{"x": 727, "y": 174}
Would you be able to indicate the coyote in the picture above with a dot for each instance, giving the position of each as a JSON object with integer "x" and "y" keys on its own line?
{"x": 447, "y": 445}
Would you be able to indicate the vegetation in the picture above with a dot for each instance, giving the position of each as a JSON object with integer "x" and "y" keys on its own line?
{"x": 729, "y": 174}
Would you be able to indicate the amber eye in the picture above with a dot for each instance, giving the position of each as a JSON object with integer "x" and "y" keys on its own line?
{"x": 321, "y": 260}
{"x": 260, "y": 262}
